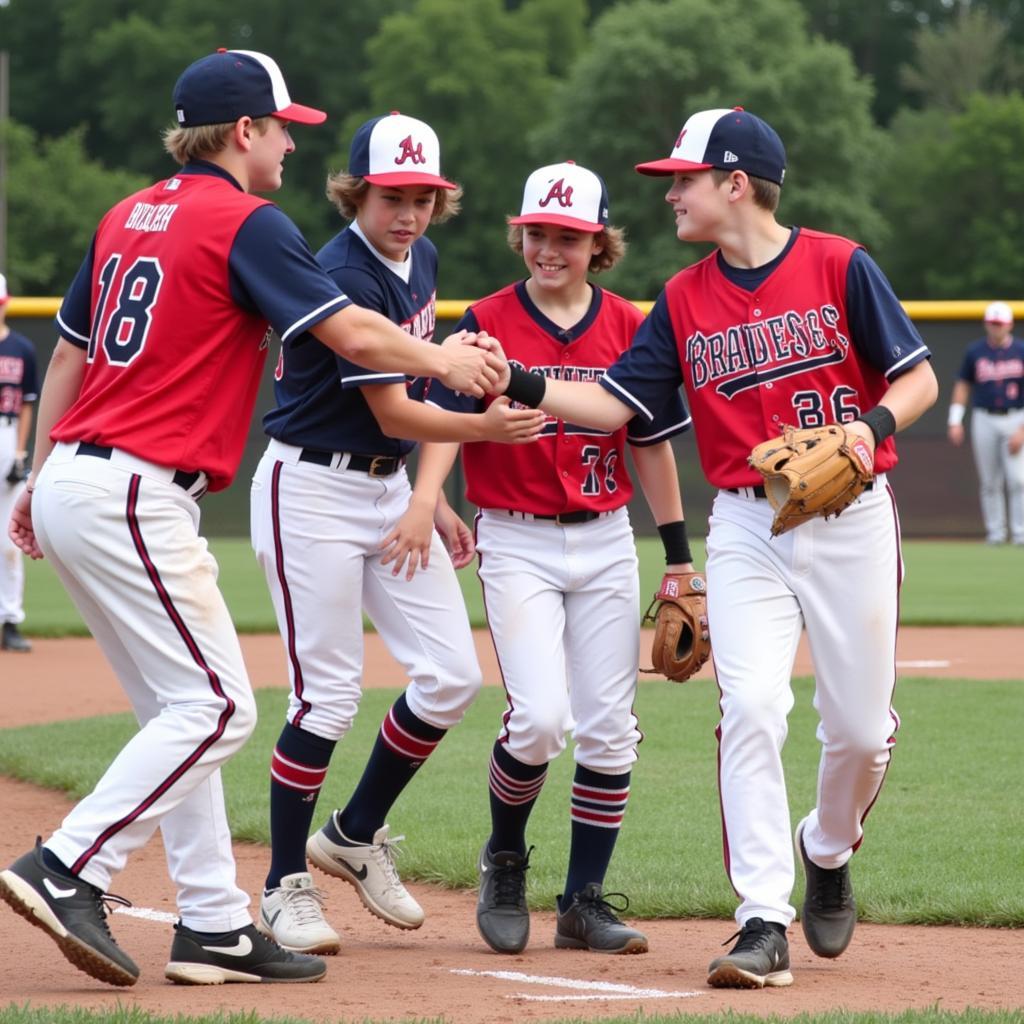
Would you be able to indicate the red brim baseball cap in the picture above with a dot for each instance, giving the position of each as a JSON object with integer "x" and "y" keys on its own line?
{"x": 396, "y": 150}
{"x": 567, "y": 195}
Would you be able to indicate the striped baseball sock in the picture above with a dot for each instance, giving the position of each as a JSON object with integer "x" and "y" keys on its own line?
{"x": 598, "y": 805}
{"x": 403, "y": 744}
{"x": 514, "y": 788}
{"x": 297, "y": 771}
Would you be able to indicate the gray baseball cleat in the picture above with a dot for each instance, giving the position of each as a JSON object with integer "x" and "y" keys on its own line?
{"x": 502, "y": 916}
{"x": 760, "y": 958}
{"x": 590, "y": 923}
{"x": 829, "y": 912}
{"x": 72, "y": 912}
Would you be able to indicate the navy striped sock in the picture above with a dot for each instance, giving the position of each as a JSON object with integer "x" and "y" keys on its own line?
{"x": 514, "y": 788}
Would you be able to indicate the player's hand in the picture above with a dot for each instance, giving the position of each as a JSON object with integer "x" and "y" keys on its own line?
{"x": 860, "y": 429}
{"x": 457, "y": 536}
{"x": 511, "y": 426}
{"x": 469, "y": 368}
{"x": 1016, "y": 442}
{"x": 408, "y": 544}
{"x": 20, "y": 528}
{"x": 956, "y": 434}
{"x": 500, "y": 361}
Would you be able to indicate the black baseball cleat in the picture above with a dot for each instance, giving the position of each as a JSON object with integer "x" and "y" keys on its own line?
{"x": 829, "y": 913}
{"x": 590, "y": 923}
{"x": 241, "y": 955}
{"x": 502, "y": 916}
{"x": 760, "y": 958}
{"x": 12, "y": 640}
{"x": 72, "y": 912}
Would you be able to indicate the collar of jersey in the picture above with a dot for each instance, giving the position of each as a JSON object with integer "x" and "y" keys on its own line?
{"x": 565, "y": 335}
{"x": 212, "y": 170}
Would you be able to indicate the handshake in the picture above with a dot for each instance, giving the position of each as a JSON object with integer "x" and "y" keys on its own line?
{"x": 474, "y": 363}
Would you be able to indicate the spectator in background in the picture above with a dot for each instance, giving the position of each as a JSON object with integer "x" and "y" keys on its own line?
{"x": 18, "y": 390}
{"x": 992, "y": 373}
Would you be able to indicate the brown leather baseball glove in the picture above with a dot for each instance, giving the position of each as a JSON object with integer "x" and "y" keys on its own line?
{"x": 817, "y": 471}
{"x": 681, "y": 641}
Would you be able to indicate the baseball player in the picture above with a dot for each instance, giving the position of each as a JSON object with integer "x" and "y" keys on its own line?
{"x": 334, "y": 524}
{"x": 145, "y": 405}
{"x": 558, "y": 564}
{"x": 18, "y": 392}
{"x": 992, "y": 375}
{"x": 778, "y": 325}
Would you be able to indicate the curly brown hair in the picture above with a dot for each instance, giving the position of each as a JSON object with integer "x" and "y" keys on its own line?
{"x": 611, "y": 239}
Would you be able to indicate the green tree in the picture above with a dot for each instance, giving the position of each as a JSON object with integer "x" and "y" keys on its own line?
{"x": 55, "y": 196}
{"x": 482, "y": 76}
{"x": 653, "y": 62}
{"x": 955, "y": 187}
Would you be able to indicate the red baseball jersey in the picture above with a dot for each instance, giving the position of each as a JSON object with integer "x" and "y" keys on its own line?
{"x": 570, "y": 468}
{"x": 782, "y": 351}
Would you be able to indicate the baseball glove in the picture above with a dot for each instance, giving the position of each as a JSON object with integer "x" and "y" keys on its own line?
{"x": 817, "y": 471}
{"x": 17, "y": 472}
{"x": 681, "y": 641}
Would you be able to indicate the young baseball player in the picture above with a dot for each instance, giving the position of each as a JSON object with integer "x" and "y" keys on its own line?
{"x": 18, "y": 392}
{"x": 146, "y": 404}
{"x": 992, "y": 375}
{"x": 558, "y": 564}
{"x": 334, "y": 523}
{"x": 779, "y": 325}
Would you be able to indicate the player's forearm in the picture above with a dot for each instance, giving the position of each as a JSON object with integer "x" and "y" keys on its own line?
{"x": 60, "y": 389}
{"x": 912, "y": 394}
{"x": 416, "y": 421}
{"x": 24, "y": 427}
{"x": 659, "y": 480}
{"x": 432, "y": 469}
{"x": 585, "y": 403}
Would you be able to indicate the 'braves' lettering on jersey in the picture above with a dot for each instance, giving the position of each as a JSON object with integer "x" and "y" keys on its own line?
{"x": 175, "y": 336}
{"x": 814, "y": 338}
{"x": 997, "y": 374}
{"x": 569, "y": 468}
{"x": 319, "y": 404}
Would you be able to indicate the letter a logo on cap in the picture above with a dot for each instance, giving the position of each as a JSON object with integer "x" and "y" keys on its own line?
{"x": 410, "y": 151}
{"x": 560, "y": 192}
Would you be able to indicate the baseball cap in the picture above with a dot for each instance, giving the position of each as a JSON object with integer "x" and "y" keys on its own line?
{"x": 397, "y": 150}
{"x": 732, "y": 140}
{"x": 229, "y": 84}
{"x": 564, "y": 194}
{"x": 3, "y": 290}
{"x": 998, "y": 313}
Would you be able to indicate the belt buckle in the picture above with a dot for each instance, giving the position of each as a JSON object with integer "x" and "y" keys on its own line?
{"x": 375, "y": 465}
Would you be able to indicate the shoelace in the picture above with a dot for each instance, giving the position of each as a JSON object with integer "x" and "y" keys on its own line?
{"x": 107, "y": 904}
{"x": 510, "y": 882}
{"x": 831, "y": 891}
{"x": 384, "y": 854}
{"x": 306, "y": 905}
{"x": 752, "y": 937}
{"x": 601, "y": 907}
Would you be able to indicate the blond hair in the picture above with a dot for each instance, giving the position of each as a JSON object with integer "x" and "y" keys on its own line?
{"x": 766, "y": 193}
{"x": 348, "y": 192}
{"x": 205, "y": 140}
{"x": 611, "y": 239}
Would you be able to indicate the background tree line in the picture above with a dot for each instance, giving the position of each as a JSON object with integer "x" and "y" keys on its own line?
{"x": 903, "y": 119}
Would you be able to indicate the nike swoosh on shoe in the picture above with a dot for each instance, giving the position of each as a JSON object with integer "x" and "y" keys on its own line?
{"x": 243, "y": 947}
{"x": 360, "y": 874}
{"x": 58, "y": 894}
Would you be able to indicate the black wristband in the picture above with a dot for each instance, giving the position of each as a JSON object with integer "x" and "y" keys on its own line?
{"x": 526, "y": 388}
{"x": 881, "y": 421}
{"x": 677, "y": 547}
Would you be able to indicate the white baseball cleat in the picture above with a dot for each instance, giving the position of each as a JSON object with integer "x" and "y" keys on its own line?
{"x": 370, "y": 867}
{"x": 293, "y": 916}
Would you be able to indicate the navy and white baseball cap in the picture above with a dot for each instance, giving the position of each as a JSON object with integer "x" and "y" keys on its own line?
{"x": 229, "y": 84}
{"x": 397, "y": 150}
{"x": 731, "y": 140}
{"x": 565, "y": 194}
{"x": 998, "y": 313}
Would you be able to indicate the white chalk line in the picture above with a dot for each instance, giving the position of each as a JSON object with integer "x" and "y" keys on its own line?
{"x": 148, "y": 914}
{"x": 606, "y": 989}
{"x": 923, "y": 664}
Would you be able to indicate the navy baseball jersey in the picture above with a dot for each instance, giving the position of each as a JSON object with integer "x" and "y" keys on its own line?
{"x": 18, "y": 380}
{"x": 319, "y": 404}
{"x": 569, "y": 468}
{"x": 996, "y": 375}
{"x": 158, "y": 349}
{"x": 813, "y": 337}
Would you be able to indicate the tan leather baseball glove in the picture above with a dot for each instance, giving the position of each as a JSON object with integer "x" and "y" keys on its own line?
{"x": 817, "y": 471}
{"x": 681, "y": 641}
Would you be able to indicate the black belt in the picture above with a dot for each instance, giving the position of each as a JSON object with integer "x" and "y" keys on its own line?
{"x": 759, "y": 491}
{"x": 997, "y": 412}
{"x": 374, "y": 465}
{"x": 186, "y": 481}
{"x": 564, "y": 518}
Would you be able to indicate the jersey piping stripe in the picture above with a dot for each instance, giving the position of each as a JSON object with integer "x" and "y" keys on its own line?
{"x": 895, "y": 366}
{"x": 627, "y": 398}
{"x": 645, "y": 439}
{"x": 174, "y": 615}
{"x": 298, "y": 684}
{"x": 364, "y": 378}
{"x": 315, "y": 315}
{"x": 68, "y": 332}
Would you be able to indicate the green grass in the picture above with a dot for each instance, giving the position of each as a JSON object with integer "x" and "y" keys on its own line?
{"x": 947, "y": 583}
{"x": 133, "y": 1015}
{"x": 943, "y": 842}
